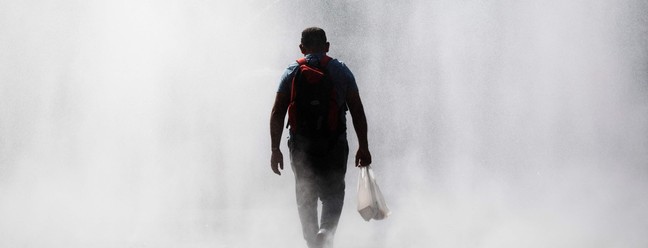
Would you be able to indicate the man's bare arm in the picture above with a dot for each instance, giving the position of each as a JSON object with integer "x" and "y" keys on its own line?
{"x": 363, "y": 156}
{"x": 276, "y": 129}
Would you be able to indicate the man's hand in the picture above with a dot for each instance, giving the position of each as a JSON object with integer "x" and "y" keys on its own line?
{"x": 276, "y": 161}
{"x": 363, "y": 157}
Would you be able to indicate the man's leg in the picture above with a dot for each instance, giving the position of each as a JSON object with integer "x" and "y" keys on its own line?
{"x": 307, "y": 208}
{"x": 331, "y": 187}
{"x": 306, "y": 193}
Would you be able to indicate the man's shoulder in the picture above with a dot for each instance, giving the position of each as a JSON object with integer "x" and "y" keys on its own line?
{"x": 337, "y": 63}
{"x": 292, "y": 66}
{"x": 290, "y": 70}
{"x": 338, "y": 67}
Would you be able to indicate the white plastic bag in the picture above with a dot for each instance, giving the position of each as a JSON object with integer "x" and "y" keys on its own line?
{"x": 371, "y": 204}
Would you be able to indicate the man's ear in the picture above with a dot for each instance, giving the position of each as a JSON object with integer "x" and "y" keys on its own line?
{"x": 302, "y": 49}
{"x": 326, "y": 47}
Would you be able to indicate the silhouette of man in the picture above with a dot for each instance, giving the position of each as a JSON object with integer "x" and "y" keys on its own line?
{"x": 318, "y": 161}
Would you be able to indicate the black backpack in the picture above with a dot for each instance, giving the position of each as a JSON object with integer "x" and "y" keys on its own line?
{"x": 313, "y": 111}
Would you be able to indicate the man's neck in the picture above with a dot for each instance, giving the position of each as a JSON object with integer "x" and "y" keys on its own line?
{"x": 318, "y": 54}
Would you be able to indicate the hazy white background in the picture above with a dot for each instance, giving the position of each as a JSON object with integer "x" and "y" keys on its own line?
{"x": 492, "y": 123}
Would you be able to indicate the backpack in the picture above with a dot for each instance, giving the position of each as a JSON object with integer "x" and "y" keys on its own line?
{"x": 313, "y": 111}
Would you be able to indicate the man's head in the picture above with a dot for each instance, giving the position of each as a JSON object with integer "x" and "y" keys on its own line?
{"x": 313, "y": 40}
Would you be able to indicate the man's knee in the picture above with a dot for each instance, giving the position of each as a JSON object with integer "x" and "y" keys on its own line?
{"x": 332, "y": 190}
{"x": 306, "y": 194}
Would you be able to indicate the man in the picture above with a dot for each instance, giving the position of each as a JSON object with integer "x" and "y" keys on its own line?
{"x": 318, "y": 155}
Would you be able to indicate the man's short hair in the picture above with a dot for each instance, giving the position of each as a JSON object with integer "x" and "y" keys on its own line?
{"x": 313, "y": 37}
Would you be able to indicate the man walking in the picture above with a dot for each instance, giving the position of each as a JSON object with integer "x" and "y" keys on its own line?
{"x": 317, "y": 91}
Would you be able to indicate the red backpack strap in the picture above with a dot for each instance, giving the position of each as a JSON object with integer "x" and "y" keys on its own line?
{"x": 301, "y": 61}
{"x": 292, "y": 113}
